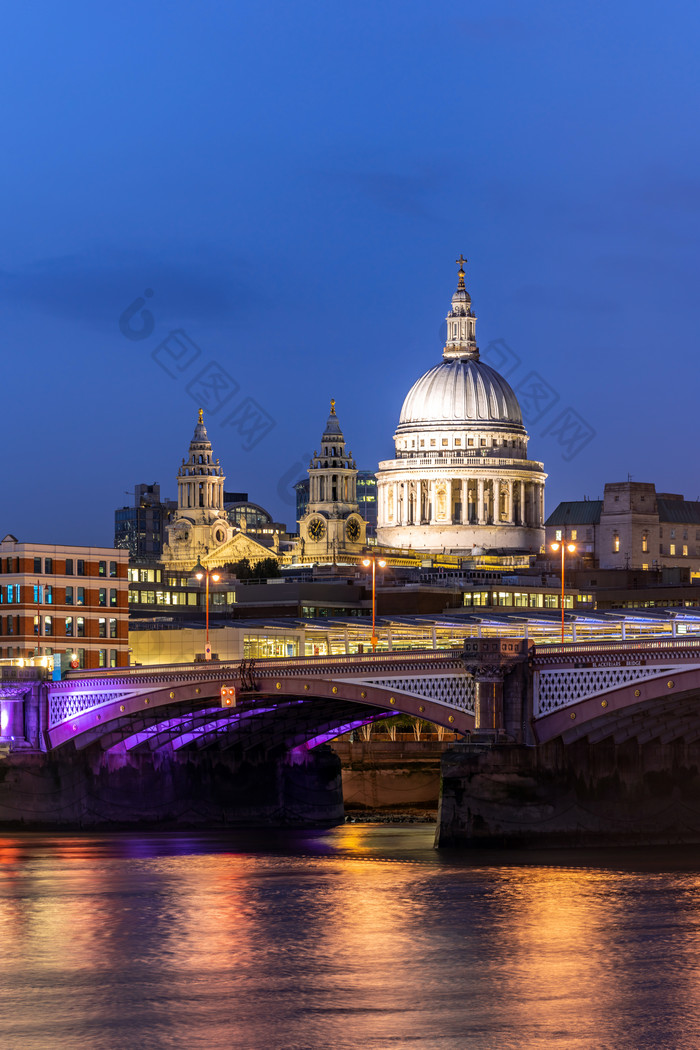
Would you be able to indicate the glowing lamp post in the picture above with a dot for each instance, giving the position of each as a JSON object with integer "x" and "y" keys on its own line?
{"x": 570, "y": 547}
{"x": 205, "y": 574}
{"x": 374, "y": 561}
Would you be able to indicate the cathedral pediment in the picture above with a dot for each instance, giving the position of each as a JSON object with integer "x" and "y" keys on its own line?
{"x": 238, "y": 547}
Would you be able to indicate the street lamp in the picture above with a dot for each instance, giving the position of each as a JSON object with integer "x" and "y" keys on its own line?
{"x": 570, "y": 547}
{"x": 206, "y": 574}
{"x": 374, "y": 560}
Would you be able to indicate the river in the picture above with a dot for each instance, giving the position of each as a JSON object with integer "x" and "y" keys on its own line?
{"x": 362, "y": 936}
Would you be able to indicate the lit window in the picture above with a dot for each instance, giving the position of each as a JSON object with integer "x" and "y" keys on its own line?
{"x": 48, "y": 625}
{"x": 574, "y": 534}
{"x": 81, "y": 596}
{"x": 102, "y": 571}
{"x": 444, "y": 441}
{"x": 112, "y": 628}
{"x": 112, "y": 657}
{"x": 102, "y": 596}
{"x": 432, "y": 442}
{"x": 458, "y": 441}
{"x": 470, "y": 441}
{"x": 671, "y": 548}
{"x": 616, "y": 542}
{"x": 645, "y": 542}
{"x": 557, "y": 534}
{"x": 685, "y": 550}
{"x": 69, "y": 626}
{"x": 102, "y": 628}
{"x": 102, "y": 659}
{"x": 113, "y": 596}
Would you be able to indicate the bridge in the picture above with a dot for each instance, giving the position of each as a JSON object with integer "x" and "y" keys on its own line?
{"x": 551, "y": 721}
{"x": 494, "y": 688}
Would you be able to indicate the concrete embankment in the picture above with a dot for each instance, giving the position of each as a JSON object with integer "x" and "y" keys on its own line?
{"x": 390, "y": 776}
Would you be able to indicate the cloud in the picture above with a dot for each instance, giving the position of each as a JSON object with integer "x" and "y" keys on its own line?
{"x": 393, "y": 191}
{"x": 95, "y": 286}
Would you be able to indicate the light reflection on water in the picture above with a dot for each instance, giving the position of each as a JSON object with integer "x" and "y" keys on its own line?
{"x": 362, "y": 936}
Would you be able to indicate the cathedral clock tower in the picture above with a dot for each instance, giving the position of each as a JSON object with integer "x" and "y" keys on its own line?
{"x": 332, "y": 523}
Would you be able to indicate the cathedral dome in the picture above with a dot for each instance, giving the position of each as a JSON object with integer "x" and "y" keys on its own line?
{"x": 462, "y": 392}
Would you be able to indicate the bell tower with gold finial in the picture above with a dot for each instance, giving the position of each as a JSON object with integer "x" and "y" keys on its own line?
{"x": 332, "y": 523}
{"x": 201, "y": 524}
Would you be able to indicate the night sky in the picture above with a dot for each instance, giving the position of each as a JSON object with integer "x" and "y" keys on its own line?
{"x": 293, "y": 182}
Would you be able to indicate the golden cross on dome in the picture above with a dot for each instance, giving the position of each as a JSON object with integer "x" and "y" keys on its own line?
{"x": 332, "y": 406}
{"x": 201, "y": 415}
{"x": 460, "y": 262}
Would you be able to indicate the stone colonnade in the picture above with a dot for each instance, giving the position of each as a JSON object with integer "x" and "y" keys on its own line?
{"x": 190, "y": 487}
{"x": 461, "y": 501}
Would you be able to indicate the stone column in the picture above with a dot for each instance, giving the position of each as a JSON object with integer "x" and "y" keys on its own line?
{"x": 465, "y": 500}
{"x": 419, "y": 501}
{"x": 510, "y": 507}
{"x": 480, "y": 516}
{"x": 523, "y": 520}
{"x": 488, "y": 705}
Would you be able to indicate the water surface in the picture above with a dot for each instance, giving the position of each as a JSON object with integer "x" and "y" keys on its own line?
{"x": 358, "y": 937}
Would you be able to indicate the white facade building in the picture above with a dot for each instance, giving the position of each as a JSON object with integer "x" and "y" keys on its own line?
{"x": 461, "y": 480}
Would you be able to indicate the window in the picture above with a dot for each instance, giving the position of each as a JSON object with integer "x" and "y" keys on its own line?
{"x": 102, "y": 568}
{"x": 81, "y": 626}
{"x": 69, "y": 566}
{"x": 112, "y": 627}
{"x": 48, "y": 625}
{"x": 113, "y": 596}
{"x": 69, "y": 595}
{"x": 48, "y": 594}
{"x": 574, "y": 534}
{"x": 673, "y": 534}
{"x": 37, "y": 565}
{"x": 102, "y": 596}
{"x": 81, "y": 567}
{"x": 102, "y": 658}
{"x": 458, "y": 442}
{"x": 671, "y": 548}
{"x": 432, "y": 442}
{"x": 69, "y": 626}
{"x": 444, "y": 441}
{"x": 470, "y": 441}
{"x": 37, "y": 625}
{"x": 102, "y": 628}
{"x": 645, "y": 566}
{"x": 557, "y": 534}
{"x": 685, "y": 550}
{"x": 81, "y": 658}
{"x": 645, "y": 542}
{"x": 81, "y": 596}
{"x": 482, "y": 442}
{"x": 616, "y": 541}
{"x": 112, "y": 657}
{"x": 48, "y": 565}
{"x": 10, "y": 625}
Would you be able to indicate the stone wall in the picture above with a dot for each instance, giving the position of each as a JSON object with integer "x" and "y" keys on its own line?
{"x": 552, "y": 795}
{"x": 187, "y": 789}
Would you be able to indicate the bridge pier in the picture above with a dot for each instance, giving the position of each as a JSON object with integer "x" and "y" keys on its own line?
{"x": 97, "y": 789}
{"x": 582, "y": 794}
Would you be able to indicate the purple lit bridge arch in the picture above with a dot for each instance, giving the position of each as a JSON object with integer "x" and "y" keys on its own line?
{"x": 282, "y": 704}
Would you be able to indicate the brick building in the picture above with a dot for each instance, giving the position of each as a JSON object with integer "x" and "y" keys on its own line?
{"x": 56, "y": 599}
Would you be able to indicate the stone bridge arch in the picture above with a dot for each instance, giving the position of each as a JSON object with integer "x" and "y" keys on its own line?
{"x": 285, "y": 705}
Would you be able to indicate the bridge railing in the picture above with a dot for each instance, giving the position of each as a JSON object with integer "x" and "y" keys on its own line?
{"x": 269, "y": 665}
{"x": 617, "y": 646}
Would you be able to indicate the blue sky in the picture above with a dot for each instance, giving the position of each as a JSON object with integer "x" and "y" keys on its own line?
{"x": 292, "y": 182}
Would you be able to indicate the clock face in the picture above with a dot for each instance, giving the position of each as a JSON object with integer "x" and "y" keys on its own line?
{"x": 352, "y": 530}
{"x": 317, "y": 528}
